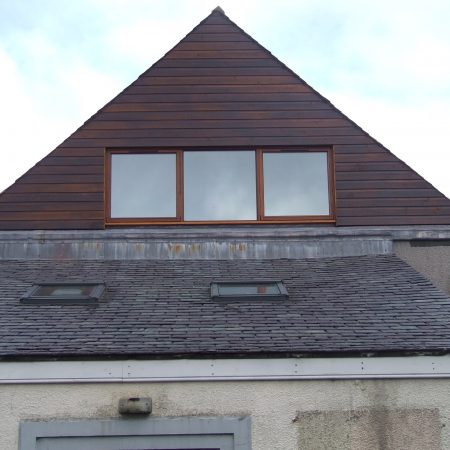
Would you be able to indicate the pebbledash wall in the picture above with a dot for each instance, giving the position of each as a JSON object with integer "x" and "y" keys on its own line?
{"x": 430, "y": 257}
{"x": 409, "y": 414}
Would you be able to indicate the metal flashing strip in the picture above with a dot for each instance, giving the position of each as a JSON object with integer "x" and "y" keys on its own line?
{"x": 212, "y": 242}
{"x": 211, "y": 248}
{"x": 266, "y": 231}
{"x": 134, "y": 371}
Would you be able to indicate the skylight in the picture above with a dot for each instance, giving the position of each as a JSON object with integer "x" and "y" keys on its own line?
{"x": 248, "y": 290}
{"x": 64, "y": 293}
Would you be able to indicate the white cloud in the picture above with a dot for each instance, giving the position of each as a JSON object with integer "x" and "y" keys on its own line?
{"x": 88, "y": 89}
{"x": 40, "y": 112}
{"x": 25, "y": 132}
{"x": 419, "y": 134}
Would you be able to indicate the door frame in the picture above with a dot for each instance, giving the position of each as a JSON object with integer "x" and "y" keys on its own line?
{"x": 194, "y": 428}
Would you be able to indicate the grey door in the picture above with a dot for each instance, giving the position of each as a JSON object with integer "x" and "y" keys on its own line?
{"x": 136, "y": 443}
{"x": 182, "y": 433}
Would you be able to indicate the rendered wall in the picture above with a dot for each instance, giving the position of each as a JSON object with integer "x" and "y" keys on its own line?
{"x": 431, "y": 258}
{"x": 286, "y": 415}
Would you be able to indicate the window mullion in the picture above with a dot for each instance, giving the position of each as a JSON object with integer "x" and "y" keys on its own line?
{"x": 180, "y": 185}
{"x": 259, "y": 184}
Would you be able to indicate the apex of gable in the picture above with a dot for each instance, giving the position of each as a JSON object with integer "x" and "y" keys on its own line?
{"x": 218, "y": 9}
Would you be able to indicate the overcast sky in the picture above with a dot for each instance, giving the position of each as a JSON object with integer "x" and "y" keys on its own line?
{"x": 386, "y": 64}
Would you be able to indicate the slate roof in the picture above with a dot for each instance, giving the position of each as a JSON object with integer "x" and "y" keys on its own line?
{"x": 156, "y": 308}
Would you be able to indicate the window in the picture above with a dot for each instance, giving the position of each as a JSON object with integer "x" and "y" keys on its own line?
{"x": 144, "y": 185}
{"x": 295, "y": 184}
{"x": 221, "y": 186}
{"x": 64, "y": 293}
{"x": 248, "y": 290}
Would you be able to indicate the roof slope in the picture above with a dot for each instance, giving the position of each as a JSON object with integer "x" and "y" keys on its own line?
{"x": 219, "y": 88}
{"x": 156, "y": 308}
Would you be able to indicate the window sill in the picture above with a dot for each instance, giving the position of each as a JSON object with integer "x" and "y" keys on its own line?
{"x": 123, "y": 223}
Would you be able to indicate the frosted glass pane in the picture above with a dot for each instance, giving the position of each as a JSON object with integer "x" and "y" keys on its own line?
{"x": 143, "y": 185}
{"x": 296, "y": 184}
{"x": 219, "y": 185}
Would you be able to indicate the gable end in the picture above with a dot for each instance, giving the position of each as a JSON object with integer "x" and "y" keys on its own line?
{"x": 219, "y": 89}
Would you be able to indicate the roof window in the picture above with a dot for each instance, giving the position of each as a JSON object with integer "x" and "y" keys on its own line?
{"x": 248, "y": 290}
{"x": 66, "y": 293}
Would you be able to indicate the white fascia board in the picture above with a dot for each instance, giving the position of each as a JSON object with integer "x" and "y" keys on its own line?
{"x": 133, "y": 371}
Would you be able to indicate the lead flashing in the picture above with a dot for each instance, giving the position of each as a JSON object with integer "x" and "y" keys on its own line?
{"x": 213, "y": 242}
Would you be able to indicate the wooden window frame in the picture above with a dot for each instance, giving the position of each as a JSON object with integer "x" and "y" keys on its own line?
{"x": 259, "y": 187}
{"x": 144, "y": 220}
{"x": 295, "y": 218}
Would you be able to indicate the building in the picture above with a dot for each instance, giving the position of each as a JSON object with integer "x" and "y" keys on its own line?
{"x": 220, "y": 239}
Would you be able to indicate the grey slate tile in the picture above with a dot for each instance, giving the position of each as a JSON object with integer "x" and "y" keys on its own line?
{"x": 352, "y": 304}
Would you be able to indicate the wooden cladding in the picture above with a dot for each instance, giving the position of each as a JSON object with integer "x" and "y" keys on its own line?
{"x": 218, "y": 88}
{"x": 219, "y": 186}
